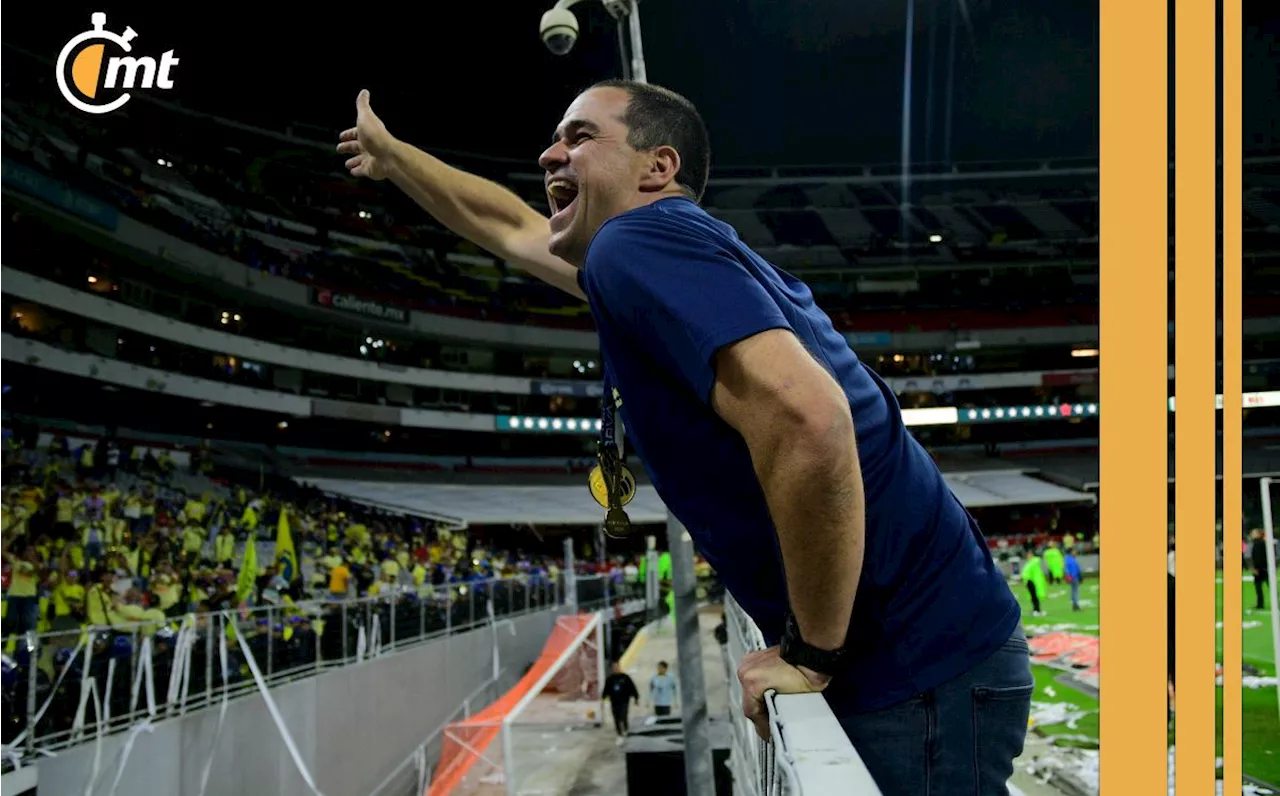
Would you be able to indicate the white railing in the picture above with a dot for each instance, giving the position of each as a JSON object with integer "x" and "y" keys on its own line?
{"x": 326, "y": 634}
{"x": 808, "y": 753}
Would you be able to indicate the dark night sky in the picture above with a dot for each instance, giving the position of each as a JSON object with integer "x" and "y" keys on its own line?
{"x": 809, "y": 81}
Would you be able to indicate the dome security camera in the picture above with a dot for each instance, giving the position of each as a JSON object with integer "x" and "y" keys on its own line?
{"x": 559, "y": 30}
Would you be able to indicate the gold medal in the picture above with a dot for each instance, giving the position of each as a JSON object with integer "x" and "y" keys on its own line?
{"x": 600, "y": 486}
{"x": 617, "y": 524}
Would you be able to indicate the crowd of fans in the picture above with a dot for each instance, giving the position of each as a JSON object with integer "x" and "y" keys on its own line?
{"x": 106, "y": 544}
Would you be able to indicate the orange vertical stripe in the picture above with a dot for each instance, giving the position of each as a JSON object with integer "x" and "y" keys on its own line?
{"x": 1195, "y": 356}
{"x": 1133, "y": 112}
{"x": 1232, "y": 370}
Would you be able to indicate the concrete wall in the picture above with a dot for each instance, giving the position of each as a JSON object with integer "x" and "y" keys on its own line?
{"x": 351, "y": 725}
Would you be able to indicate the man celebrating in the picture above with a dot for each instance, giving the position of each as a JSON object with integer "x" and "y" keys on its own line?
{"x": 784, "y": 456}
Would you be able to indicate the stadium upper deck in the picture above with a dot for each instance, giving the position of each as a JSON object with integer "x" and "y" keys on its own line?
{"x": 977, "y": 246}
{"x": 998, "y": 246}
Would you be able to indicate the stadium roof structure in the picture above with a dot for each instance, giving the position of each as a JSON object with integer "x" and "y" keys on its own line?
{"x": 1260, "y": 455}
{"x": 482, "y": 504}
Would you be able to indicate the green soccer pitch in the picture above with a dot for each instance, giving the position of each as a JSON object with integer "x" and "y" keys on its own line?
{"x": 1259, "y": 711}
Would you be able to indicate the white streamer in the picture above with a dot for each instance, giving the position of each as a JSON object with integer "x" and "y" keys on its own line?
{"x": 145, "y": 673}
{"x": 186, "y": 671}
{"x": 89, "y": 690}
{"x": 143, "y": 726}
{"x": 104, "y": 717}
{"x": 275, "y": 714}
{"x": 222, "y": 710}
{"x": 143, "y": 677}
{"x": 361, "y": 643}
{"x": 420, "y": 761}
{"x": 493, "y": 623}
{"x": 180, "y": 672}
{"x": 176, "y": 670}
{"x": 375, "y": 645}
{"x": 87, "y": 685}
{"x": 8, "y": 749}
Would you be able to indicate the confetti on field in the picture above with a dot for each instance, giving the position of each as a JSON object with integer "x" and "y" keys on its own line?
{"x": 1250, "y": 681}
{"x": 1050, "y": 713}
{"x": 1079, "y": 767}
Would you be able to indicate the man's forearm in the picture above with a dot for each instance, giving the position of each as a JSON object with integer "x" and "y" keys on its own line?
{"x": 471, "y": 206}
{"x": 483, "y": 212}
{"x": 815, "y": 496}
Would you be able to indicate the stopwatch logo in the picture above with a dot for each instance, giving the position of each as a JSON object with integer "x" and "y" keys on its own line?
{"x": 87, "y": 75}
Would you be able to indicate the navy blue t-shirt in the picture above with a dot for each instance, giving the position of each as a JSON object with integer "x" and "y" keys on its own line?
{"x": 669, "y": 285}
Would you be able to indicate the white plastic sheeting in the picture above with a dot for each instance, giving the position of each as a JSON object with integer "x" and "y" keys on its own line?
{"x": 476, "y": 504}
{"x": 1009, "y": 488}
{"x": 494, "y": 505}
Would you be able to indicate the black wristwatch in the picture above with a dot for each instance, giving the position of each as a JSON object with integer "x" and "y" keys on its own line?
{"x": 797, "y": 653}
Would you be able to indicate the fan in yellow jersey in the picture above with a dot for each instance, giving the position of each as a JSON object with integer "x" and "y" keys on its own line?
{"x": 23, "y": 601}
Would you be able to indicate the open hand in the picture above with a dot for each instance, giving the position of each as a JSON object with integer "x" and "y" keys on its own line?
{"x": 765, "y": 670}
{"x": 368, "y": 143}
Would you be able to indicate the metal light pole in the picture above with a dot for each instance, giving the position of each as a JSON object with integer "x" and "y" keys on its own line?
{"x": 698, "y": 766}
{"x": 570, "y": 576}
{"x": 699, "y": 773}
{"x": 638, "y": 73}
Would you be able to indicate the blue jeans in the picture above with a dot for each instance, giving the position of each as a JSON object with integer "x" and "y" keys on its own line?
{"x": 959, "y": 739}
{"x": 1075, "y": 594}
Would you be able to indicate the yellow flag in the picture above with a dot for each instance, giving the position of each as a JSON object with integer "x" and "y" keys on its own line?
{"x": 248, "y": 577}
{"x": 285, "y": 555}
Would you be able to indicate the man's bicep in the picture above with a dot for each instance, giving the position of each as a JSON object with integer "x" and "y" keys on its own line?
{"x": 769, "y": 382}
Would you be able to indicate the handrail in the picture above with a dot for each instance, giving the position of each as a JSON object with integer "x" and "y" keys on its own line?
{"x": 365, "y": 627}
{"x": 807, "y": 754}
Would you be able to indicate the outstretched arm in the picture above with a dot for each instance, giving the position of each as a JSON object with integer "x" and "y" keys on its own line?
{"x": 479, "y": 210}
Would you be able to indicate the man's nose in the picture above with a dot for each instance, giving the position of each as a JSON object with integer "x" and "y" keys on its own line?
{"x": 553, "y": 156}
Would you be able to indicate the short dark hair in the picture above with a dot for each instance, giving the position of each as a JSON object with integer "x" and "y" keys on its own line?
{"x": 658, "y": 116}
{"x": 662, "y": 664}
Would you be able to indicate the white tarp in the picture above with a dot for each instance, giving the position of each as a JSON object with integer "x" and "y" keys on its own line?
{"x": 1009, "y": 488}
{"x": 572, "y": 504}
{"x": 495, "y": 505}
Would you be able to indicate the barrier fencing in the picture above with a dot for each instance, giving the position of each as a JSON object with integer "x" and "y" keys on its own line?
{"x": 105, "y": 680}
{"x": 807, "y": 754}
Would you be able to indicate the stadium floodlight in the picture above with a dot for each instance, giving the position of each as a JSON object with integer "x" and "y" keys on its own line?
{"x": 559, "y": 31}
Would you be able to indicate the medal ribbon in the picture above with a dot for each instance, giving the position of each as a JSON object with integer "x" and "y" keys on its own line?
{"x": 609, "y": 432}
{"x": 611, "y": 454}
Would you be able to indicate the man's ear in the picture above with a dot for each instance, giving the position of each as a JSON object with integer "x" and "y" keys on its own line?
{"x": 662, "y": 166}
